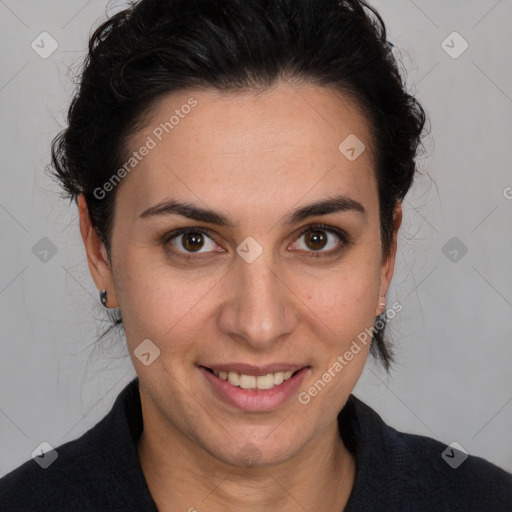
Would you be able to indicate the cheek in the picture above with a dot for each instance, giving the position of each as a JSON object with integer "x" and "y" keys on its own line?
{"x": 160, "y": 302}
{"x": 344, "y": 312}
{"x": 345, "y": 299}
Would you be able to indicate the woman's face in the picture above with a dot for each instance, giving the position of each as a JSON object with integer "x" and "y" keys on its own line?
{"x": 266, "y": 288}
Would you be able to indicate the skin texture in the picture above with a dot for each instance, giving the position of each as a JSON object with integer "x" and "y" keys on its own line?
{"x": 254, "y": 157}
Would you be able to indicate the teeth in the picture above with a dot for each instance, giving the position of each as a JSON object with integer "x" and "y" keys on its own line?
{"x": 247, "y": 381}
{"x": 253, "y": 382}
{"x": 233, "y": 378}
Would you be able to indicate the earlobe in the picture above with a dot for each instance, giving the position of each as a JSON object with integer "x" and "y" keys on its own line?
{"x": 388, "y": 265}
{"x": 97, "y": 257}
{"x": 382, "y": 305}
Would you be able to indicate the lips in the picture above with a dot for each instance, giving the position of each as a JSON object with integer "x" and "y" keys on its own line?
{"x": 255, "y": 391}
{"x": 261, "y": 382}
{"x": 252, "y": 377}
{"x": 248, "y": 369}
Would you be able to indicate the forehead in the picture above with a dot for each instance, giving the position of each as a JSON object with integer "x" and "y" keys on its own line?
{"x": 253, "y": 147}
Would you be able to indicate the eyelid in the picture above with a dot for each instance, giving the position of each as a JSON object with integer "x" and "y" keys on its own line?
{"x": 340, "y": 233}
{"x": 167, "y": 237}
{"x": 324, "y": 227}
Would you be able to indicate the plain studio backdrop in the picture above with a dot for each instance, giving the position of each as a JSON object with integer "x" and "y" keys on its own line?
{"x": 453, "y": 378}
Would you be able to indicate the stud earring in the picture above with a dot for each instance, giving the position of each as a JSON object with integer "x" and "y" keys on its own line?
{"x": 103, "y": 297}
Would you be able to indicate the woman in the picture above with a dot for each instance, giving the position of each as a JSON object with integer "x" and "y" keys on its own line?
{"x": 239, "y": 168}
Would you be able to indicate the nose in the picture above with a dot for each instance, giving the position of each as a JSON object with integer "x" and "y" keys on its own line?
{"x": 259, "y": 308}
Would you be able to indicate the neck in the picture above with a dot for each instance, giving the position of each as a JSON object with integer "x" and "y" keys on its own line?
{"x": 181, "y": 476}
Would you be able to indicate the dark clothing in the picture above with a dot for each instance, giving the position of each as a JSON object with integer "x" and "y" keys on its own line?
{"x": 395, "y": 472}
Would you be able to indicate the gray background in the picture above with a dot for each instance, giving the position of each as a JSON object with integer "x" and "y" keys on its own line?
{"x": 453, "y": 379}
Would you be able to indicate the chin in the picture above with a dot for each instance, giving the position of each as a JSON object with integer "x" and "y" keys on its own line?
{"x": 253, "y": 455}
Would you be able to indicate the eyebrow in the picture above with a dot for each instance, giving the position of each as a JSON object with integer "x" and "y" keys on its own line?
{"x": 340, "y": 203}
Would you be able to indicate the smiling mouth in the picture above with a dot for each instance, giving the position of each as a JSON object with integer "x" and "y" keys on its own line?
{"x": 262, "y": 382}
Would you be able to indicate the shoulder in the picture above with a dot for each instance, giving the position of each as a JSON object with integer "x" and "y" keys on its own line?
{"x": 98, "y": 471}
{"x": 444, "y": 474}
{"x": 67, "y": 480}
{"x": 412, "y": 472}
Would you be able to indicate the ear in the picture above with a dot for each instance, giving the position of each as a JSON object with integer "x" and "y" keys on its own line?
{"x": 388, "y": 264}
{"x": 97, "y": 257}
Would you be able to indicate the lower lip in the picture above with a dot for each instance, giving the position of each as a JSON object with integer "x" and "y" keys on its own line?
{"x": 255, "y": 400}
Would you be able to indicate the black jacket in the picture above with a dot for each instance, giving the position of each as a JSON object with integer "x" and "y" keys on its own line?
{"x": 396, "y": 472}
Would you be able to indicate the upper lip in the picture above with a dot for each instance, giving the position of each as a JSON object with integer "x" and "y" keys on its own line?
{"x": 249, "y": 369}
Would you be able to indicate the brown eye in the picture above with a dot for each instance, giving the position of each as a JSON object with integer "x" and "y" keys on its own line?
{"x": 319, "y": 237}
{"x": 316, "y": 240}
{"x": 192, "y": 241}
{"x": 187, "y": 241}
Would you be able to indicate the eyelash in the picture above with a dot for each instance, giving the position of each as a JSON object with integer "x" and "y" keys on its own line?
{"x": 309, "y": 254}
